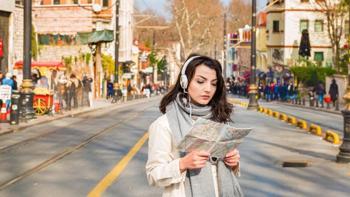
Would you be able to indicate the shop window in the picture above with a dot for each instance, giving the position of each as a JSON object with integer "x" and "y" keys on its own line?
{"x": 56, "y": 2}
{"x": 318, "y": 25}
{"x": 276, "y": 26}
{"x": 304, "y": 24}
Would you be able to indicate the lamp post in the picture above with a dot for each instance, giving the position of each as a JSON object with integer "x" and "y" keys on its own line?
{"x": 253, "y": 103}
{"x": 116, "y": 42}
{"x": 344, "y": 150}
{"x": 27, "y": 83}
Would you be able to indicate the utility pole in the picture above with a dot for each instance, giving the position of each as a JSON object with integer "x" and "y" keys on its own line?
{"x": 116, "y": 42}
{"x": 253, "y": 103}
{"x": 27, "y": 83}
{"x": 225, "y": 42}
{"x": 344, "y": 149}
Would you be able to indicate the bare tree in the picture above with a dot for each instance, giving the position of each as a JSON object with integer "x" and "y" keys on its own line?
{"x": 151, "y": 29}
{"x": 198, "y": 24}
{"x": 240, "y": 14}
{"x": 335, "y": 13}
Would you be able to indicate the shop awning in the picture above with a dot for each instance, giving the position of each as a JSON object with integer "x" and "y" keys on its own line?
{"x": 54, "y": 65}
{"x": 101, "y": 36}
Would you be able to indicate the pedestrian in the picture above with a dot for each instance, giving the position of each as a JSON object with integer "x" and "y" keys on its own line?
{"x": 334, "y": 91}
{"x": 14, "y": 79}
{"x": 61, "y": 90}
{"x": 8, "y": 82}
{"x": 199, "y": 92}
{"x": 110, "y": 90}
{"x": 87, "y": 95}
{"x": 320, "y": 92}
{"x": 72, "y": 87}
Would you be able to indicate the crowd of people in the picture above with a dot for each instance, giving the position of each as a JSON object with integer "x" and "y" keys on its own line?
{"x": 287, "y": 92}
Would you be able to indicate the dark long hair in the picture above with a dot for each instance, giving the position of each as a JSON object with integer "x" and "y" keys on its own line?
{"x": 221, "y": 109}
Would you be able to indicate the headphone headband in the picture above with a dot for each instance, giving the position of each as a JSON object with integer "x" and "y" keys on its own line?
{"x": 183, "y": 77}
{"x": 188, "y": 61}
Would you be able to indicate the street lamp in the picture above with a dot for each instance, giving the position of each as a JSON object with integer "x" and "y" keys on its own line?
{"x": 253, "y": 103}
{"x": 116, "y": 43}
{"x": 27, "y": 84}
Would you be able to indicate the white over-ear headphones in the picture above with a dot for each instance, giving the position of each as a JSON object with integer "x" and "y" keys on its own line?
{"x": 183, "y": 77}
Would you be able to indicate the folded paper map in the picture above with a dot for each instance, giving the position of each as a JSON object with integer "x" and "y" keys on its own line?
{"x": 216, "y": 138}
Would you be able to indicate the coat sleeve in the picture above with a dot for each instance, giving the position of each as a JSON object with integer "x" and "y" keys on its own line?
{"x": 162, "y": 169}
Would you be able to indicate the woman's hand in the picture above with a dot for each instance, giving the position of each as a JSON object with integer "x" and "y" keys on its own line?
{"x": 194, "y": 160}
{"x": 232, "y": 158}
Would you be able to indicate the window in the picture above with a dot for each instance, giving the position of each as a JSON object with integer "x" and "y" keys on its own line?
{"x": 105, "y": 3}
{"x": 275, "y": 26}
{"x": 19, "y": 2}
{"x": 75, "y": 1}
{"x": 318, "y": 25}
{"x": 304, "y": 1}
{"x": 304, "y": 24}
{"x": 318, "y": 57}
{"x": 56, "y": 2}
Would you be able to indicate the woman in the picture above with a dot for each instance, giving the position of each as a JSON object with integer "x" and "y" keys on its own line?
{"x": 199, "y": 92}
{"x": 334, "y": 91}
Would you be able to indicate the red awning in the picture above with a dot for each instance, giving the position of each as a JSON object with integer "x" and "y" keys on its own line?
{"x": 55, "y": 65}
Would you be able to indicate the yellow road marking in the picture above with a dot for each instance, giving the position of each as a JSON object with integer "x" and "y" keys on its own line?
{"x": 118, "y": 169}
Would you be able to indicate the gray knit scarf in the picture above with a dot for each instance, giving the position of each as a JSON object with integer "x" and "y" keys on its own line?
{"x": 199, "y": 183}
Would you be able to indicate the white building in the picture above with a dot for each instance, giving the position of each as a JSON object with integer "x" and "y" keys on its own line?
{"x": 126, "y": 10}
{"x": 285, "y": 22}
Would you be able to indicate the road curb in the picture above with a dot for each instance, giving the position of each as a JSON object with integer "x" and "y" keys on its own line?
{"x": 330, "y": 136}
{"x": 110, "y": 106}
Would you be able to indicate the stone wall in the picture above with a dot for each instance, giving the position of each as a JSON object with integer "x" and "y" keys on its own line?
{"x": 55, "y": 53}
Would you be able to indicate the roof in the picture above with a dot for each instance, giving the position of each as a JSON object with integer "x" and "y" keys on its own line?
{"x": 41, "y": 64}
{"x": 262, "y": 18}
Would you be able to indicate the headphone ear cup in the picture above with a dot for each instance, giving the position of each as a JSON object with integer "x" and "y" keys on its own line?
{"x": 184, "y": 82}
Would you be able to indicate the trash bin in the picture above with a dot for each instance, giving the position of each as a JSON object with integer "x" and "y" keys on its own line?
{"x": 15, "y": 105}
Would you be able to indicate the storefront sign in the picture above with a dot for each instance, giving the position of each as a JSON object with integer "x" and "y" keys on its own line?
{"x": 5, "y": 92}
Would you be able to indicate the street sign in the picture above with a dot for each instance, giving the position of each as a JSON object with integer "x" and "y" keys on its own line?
{"x": 5, "y": 92}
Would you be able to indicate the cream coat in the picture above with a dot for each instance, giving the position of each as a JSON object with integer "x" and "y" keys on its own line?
{"x": 162, "y": 166}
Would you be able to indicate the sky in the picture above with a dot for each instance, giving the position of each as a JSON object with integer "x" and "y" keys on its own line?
{"x": 159, "y": 5}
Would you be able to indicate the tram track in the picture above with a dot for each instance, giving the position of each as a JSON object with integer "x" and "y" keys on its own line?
{"x": 87, "y": 118}
{"x": 65, "y": 152}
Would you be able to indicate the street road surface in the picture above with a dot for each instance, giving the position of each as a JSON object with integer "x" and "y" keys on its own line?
{"x": 72, "y": 156}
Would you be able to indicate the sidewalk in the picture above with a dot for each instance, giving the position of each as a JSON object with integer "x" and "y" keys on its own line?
{"x": 6, "y": 128}
{"x": 306, "y": 106}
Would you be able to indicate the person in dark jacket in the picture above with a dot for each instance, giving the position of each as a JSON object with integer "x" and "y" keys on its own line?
{"x": 320, "y": 92}
{"x": 334, "y": 91}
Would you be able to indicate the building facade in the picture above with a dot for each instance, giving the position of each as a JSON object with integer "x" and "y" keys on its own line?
{"x": 63, "y": 25}
{"x": 261, "y": 39}
{"x": 285, "y": 22}
{"x": 11, "y": 33}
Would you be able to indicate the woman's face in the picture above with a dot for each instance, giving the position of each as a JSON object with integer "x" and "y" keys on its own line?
{"x": 202, "y": 86}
